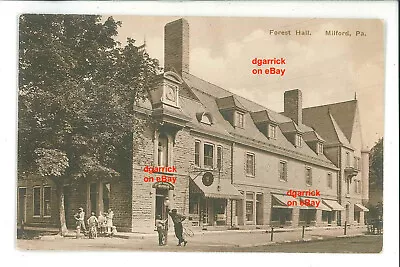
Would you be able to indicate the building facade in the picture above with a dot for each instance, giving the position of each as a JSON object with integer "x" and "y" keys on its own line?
{"x": 232, "y": 163}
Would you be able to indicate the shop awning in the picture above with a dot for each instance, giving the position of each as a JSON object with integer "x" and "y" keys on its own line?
{"x": 361, "y": 207}
{"x": 321, "y": 205}
{"x": 282, "y": 201}
{"x": 334, "y": 205}
{"x": 218, "y": 189}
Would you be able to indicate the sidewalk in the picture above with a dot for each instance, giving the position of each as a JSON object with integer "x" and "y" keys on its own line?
{"x": 231, "y": 238}
{"x": 251, "y": 238}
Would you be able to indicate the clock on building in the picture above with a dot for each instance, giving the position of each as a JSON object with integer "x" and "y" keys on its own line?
{"x": 208, "y": 179}
{"x": 170, "y": 92}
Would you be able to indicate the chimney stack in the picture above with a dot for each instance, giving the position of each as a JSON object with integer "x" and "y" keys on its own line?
{"x": 293, "y": 105}
{"x": 176, "y": 46}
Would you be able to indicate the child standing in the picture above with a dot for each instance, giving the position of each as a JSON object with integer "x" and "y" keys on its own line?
{"x": 102, "y": 223}
{"x": 160, "y": 224}
{"x": 92, "y": 223}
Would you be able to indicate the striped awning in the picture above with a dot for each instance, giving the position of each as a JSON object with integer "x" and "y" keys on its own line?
{"x": 282, "y": 201}
{"x": 321, "y": 205}
{"x": 361, "y": 207}
{"x": 334, "y": 205}
{"x": 220, "y": 188}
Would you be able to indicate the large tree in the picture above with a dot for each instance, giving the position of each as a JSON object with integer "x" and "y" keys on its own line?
{"x": 77, "y": 90}
{"x": 376, "y": 165}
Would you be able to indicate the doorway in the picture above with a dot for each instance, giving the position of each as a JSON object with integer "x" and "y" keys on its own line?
{"x": 161, "y": 194}
{"x": 21, "y": 205}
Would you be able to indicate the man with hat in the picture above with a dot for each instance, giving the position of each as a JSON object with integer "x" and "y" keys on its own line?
{"x": 178, "y": 219}
{"x": 80, "y": 219}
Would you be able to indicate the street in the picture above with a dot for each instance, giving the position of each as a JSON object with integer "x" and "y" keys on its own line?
{"x": 358, "y": 244}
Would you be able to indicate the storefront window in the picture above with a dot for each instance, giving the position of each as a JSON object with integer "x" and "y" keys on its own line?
{"x": 307, "y": 215}
{"x": 281, "y": 215}
{"x": 193, "y": 205}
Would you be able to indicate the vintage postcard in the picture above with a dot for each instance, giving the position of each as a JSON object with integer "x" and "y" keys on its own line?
{"x": 205, "y": 134}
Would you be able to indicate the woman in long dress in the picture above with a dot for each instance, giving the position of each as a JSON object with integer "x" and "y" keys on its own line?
{"x": 109, "y": 223}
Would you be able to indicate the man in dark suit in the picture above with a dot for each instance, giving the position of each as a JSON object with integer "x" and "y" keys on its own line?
{"x": 178, "y": 219}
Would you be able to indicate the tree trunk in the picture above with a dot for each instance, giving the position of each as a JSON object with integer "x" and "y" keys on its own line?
{"x": 61, "y": 208}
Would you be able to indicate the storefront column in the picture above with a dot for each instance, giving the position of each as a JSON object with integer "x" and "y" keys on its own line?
{"x": 229, "y": 212}
{"x": 295, "y": 216}
{"x": 362, "y": 217}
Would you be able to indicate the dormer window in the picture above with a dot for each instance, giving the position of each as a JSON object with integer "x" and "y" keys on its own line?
{"x": 239, "y": 119}
{"x": 271, "y": 131}
{"x": 298, "y": 140}
{"x": 206, "y": 119}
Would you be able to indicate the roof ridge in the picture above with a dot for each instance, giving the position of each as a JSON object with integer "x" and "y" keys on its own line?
{"x": 233, "y": 94}
{"x": 331, "y": 104}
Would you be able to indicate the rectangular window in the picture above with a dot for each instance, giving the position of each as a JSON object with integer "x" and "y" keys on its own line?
{"x": 47, "y": 201}
{"x": 208, "y": 156}
{"x": 219, "y": 157}
{"x": 330, "y": 184}
{"x": 250, "y": 164}
{"x": 249, "y": 207}
{"x": 347, "y": 159}
{"x": 36, "y": 201}
{"x": 239, "y": 119}
{"x": 308, "y": 176}
{"x": 272, "y": 131}
{"x": 283, "y": 170}
{"x": 298, "y": 140}
{"x": 197, "y": 154}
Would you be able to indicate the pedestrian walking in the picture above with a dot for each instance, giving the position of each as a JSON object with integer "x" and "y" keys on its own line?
{"x": 178, "y": 227}
{"x": 92, "y": 224}
{"x": 160, "y": 225}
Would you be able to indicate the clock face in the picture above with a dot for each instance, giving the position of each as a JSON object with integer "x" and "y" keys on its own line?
{"x": 170, "y": 92}
{"x": 208, "y": 179}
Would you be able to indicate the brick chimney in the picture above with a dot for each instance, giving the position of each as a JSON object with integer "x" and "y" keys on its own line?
{"x": 293, "y": 106}
{"x": 176, "y": 46}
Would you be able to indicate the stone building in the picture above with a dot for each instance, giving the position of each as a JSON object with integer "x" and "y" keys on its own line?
{"x": 232, "y": 161}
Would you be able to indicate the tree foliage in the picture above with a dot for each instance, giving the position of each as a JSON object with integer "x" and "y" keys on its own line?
{"x": 77, "y": 89}
{"x": 376, "y": 165}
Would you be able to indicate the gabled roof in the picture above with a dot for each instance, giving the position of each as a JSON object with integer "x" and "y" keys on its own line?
{"x": 324, "y": 121}
{"x": 342, "y": 112}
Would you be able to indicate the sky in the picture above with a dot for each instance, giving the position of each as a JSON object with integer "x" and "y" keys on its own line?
{"x": 327, "y": 69}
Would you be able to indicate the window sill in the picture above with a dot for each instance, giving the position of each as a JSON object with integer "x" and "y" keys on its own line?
{"x": 280, "y": 180}
{"x": 46, "y": 216}
{"x": 250, "y": 175}
{"x": 36, "y": 216}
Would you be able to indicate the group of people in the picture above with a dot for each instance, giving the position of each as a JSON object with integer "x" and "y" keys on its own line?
{"x": 178, "y": 227}
{"x": 102, "y": 224}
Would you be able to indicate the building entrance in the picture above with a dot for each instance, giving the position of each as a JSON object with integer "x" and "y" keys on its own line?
{"x": 161, "y": 210}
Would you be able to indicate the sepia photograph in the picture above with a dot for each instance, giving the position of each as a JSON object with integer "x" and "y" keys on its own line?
{"x": 200, "y": 134}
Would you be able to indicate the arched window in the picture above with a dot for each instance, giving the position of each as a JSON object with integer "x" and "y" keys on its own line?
{"x": 206, "y": 119}
{"x": 162, "y": 156}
